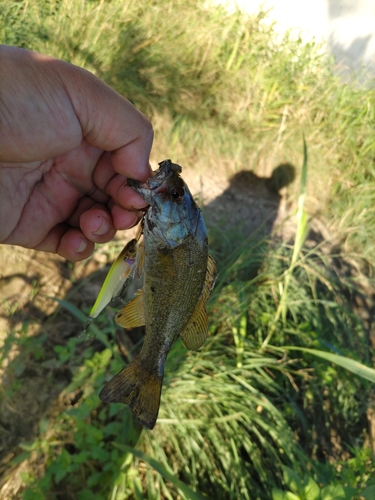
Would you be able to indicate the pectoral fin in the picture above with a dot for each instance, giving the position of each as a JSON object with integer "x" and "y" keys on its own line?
{"x": 133, "y": 314}
{"x": 196, "y": 331}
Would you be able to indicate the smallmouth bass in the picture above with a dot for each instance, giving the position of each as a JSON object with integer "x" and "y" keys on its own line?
{"x": 178, "y": 277}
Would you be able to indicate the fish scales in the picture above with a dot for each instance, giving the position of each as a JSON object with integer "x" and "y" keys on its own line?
{"x": 169, "y": 275}
{"x": 178, "y": 278}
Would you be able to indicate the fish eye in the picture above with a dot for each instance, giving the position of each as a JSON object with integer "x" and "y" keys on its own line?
{"x": 177, "y": 193}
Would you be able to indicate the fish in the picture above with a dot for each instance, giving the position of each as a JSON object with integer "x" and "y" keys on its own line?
{"x": 119, "y": 274}
{"x": 178, "y": 278}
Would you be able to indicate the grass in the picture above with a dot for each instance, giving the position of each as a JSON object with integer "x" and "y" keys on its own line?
{"x": 256, "y": 402}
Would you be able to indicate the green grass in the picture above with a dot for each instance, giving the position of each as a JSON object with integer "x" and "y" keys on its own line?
{"x": 256, "y": 402}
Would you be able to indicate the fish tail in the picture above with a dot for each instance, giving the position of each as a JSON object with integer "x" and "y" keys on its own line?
{"x": 138, "y": 388}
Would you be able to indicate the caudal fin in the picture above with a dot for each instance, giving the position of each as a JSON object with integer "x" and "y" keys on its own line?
{"x": 138, "y": 388}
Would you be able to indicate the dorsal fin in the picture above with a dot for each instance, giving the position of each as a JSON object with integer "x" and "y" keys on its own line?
{"x": 211, "y": 275}
{"x": 196, "y": 331}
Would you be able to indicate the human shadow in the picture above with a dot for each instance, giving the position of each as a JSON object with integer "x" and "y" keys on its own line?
{"x": 246, "y": 210}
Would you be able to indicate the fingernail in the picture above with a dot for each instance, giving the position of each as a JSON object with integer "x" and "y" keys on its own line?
{"x": 103, "y": 227}
{"x": 139, "y": 203}
{"x": 140, "y": 206}
{"x": 82, "y": 246}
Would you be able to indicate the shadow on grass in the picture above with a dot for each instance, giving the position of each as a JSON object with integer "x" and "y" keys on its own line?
{"x": 244, "y": 214}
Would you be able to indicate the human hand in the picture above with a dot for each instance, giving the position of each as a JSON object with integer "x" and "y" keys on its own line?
{"x": 67, "y": 144}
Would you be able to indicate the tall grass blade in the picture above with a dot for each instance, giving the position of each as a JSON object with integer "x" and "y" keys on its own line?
{"x": 301, "y": 233}
{"x": 349, "y": 364}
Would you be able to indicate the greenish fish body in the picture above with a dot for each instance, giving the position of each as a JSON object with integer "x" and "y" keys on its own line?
{"x": 178, "y": 278}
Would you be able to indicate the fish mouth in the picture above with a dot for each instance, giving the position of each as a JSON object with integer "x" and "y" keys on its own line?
{"x": 158, "y": 183}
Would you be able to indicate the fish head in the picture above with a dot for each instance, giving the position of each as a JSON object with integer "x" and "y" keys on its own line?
{"x": 173, "y": 214}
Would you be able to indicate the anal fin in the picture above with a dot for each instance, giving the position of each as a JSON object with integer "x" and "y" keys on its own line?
{"x": 133, "y": 314}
